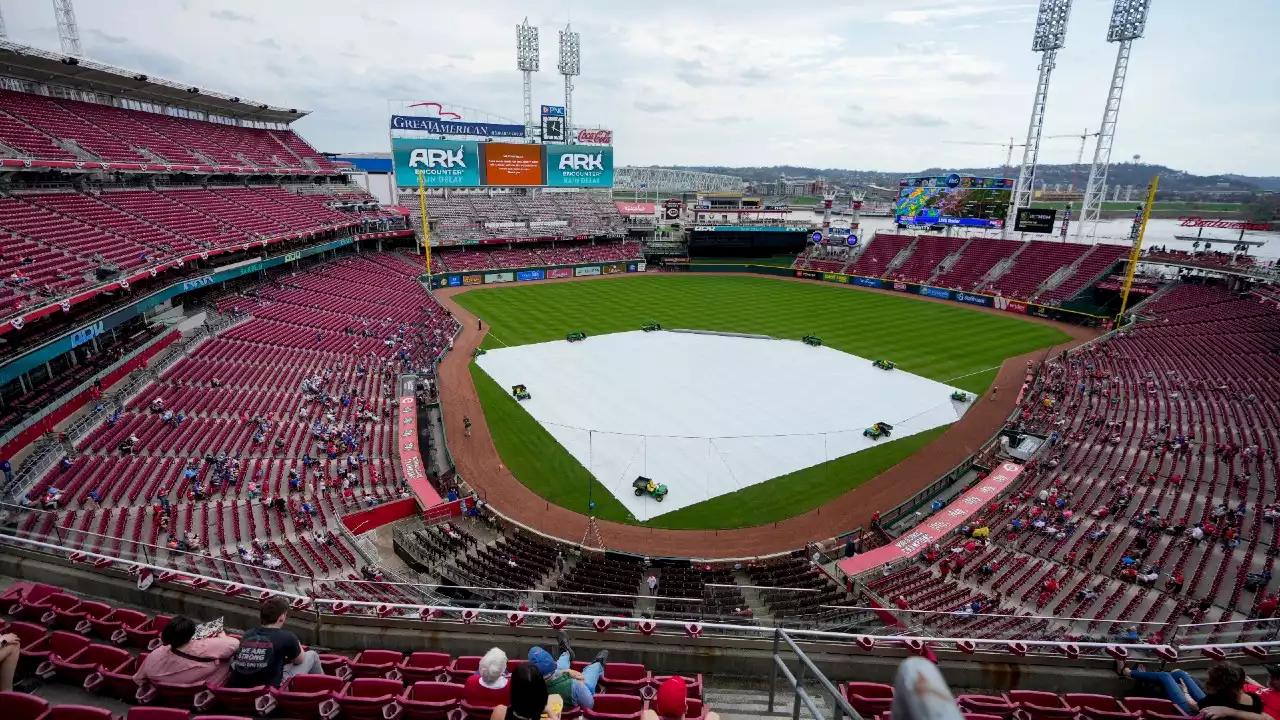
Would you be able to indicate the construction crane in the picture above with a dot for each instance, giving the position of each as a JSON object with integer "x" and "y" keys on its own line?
{"x": 1009, "y": 146}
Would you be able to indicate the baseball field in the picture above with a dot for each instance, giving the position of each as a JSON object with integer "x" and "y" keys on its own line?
{"x": 948, "y": 343}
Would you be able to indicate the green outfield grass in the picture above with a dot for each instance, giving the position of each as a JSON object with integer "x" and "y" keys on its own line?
{"x": 943, "y": 342}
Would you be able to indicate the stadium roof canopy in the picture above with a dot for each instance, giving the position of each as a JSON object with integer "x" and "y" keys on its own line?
{"x": 33, "y": 64}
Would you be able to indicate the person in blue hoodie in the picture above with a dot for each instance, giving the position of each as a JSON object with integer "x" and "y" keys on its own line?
{"x": 578, "y": 689}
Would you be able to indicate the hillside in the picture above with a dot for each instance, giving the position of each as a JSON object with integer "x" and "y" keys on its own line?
{"x": 1171, "y": 181}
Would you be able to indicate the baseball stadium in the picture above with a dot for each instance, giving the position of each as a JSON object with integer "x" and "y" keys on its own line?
{"x": 489, "y": 426}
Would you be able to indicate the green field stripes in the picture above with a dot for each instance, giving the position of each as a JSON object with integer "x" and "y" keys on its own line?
{"x": 943, "y": 342}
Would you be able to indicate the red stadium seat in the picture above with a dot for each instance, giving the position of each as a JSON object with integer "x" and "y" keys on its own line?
{"x": 430, "y": 700}
{"x": 869, "y": 698}
{"x": 370, "y": 699}
{"x": 21, "y": 706}
{"x": 615, "y": 707}
{"x": 308, "y": 697}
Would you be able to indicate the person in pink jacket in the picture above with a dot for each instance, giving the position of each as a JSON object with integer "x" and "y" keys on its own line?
{"x": 183, "y": 658}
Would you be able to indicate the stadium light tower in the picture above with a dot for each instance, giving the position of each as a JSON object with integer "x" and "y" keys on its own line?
{"x": 68, "y": 31}
{"x": 1128, "y": 22}
{"x": 570, "y": 65}
{"x": 1050, "y": 36}
{"x": 4, "y": 34}
{"x": 527, "y": 63}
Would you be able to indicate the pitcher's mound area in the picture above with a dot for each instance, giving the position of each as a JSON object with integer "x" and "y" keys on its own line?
{"x": 710, "y": 414}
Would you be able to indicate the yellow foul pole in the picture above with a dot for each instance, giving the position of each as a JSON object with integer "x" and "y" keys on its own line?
{"x": 426, "y": 230}
{"x": 1137, "y": 248}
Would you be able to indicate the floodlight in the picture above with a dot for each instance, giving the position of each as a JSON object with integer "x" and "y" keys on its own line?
{"x": 526, "y": 47}
{"x": 1128, "y": 20}
{"x": 1051, "y": 25}
{"x": 570, "y": 58}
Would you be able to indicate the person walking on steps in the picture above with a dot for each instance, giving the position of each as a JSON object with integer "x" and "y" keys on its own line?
{"x": 466, "y": 425}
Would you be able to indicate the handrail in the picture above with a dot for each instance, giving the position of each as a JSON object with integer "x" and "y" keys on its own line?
{"x": 807, "y": 669}
{"x": 340, "y": 606}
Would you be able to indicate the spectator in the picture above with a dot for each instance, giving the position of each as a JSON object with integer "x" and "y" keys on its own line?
{"x": 530, "y": 699}
{"x": 489, "y": 686}
{"x": 1270, "y": 694}
{"x": 1226, "y": 698}
{"x": 270, "y": 655}
{"x": 183, "y": 658}
{"x": 672, "y": 701}
{"x": 576, "y": 688}
{"x": 10, "y": 649}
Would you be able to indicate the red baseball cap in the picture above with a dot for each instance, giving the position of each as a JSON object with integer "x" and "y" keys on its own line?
{"x": 671, "y": 698}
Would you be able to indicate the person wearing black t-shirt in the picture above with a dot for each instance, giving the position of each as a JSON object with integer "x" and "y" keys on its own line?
{"x": 270, "y": 655}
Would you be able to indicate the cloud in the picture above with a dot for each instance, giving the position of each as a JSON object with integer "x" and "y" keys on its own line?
{"x": 972, "y": 78}
{"x": 859, "y": 117}
{"x": 753, "y": 76}
{"x": 103, "y": 37}
{"x": 694, "y": 72}
{"x": 268, "y": 43}
{"x": 657, "y": 106}
{"x": 945, "y": 12}
{"x": 230, "y": 16}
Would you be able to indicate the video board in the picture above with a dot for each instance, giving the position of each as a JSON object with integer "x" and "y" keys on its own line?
{"x": 953, "y": 200}
{"x": 467, "y": 163}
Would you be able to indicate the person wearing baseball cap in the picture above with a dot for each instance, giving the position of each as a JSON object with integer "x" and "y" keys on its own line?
{"x": 1269, "y": 694}
{"x": 577, "y": 689}
{"x": 672, "y": 701}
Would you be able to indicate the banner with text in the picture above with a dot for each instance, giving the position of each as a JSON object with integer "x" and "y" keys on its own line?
{"x": 411, "y": 465}
{"x": 937, "y": 526}
{"x": 444, "y": 163}
{"x": 578, "y": 166}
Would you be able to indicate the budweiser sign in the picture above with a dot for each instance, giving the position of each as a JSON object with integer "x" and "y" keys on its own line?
{"x": 1199, "y": 222}
{"x": 595, "y": 137}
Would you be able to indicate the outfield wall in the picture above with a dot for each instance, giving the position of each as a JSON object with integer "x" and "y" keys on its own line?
{"x": 1016, "y": 307}
{"x": 530, "y": 274}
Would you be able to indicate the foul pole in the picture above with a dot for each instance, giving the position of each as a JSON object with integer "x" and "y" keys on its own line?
{"x": 426, "y": 229}
{"x": 1139, "y": 230}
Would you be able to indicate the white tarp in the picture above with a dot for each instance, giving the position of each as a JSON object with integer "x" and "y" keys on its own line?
{"x": 710, "y": 414}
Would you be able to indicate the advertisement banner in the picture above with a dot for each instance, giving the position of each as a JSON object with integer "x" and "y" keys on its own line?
{"x": 455, "y": 280}
{"x": 640, "y": 267}
{"x": 578, "y": 166}
{"x": 511, "y": 164}
{"x": 414, "y": 472}
{"x": 934, "y": 292}
{"x": 612, "y": 269}
{"x": 835, "y": 277}
{"x": 585, "y": 271}
{"x": 472, "y": 279}
{"x": 561, "y": 272}
{"x": 1008, "y": 305}
{"x": 902, "y": 286}
{"x": 498, "y": 277}
{"x": 1037, "y": 310}
{"x": 1034, "y": 220}
{"x": 635, "y": 208}
{"x": 587, "y": 136}
{"x": 868, "y": 282}
{"x": 938, "y": 525}
{"x": 445, "y": 163}
{"x": 982, "y": 300}
{"x": 436, "y": 126}
{"x": 807, "y": 274}
{"x": 530, "y": 275}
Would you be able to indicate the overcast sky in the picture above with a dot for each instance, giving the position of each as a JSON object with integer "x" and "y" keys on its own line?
{"x": 861, "y": 84}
